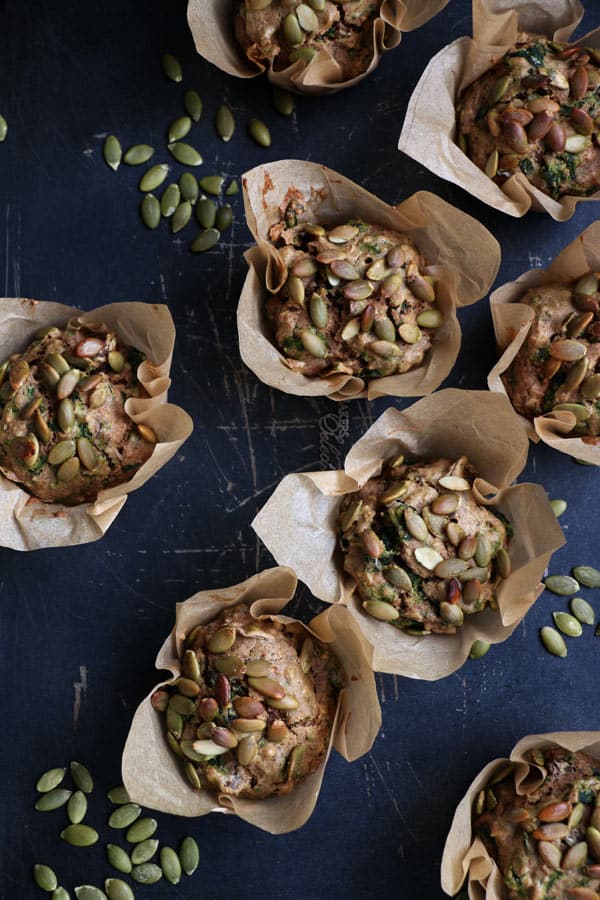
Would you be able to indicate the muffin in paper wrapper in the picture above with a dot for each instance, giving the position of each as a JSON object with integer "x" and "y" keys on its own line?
{"x": 465, "y": 856}
{"x": 212, "y": 25}
{"x": 429, "y": 130}
{"x": 153, "y": 775}
{"x": 462, "y": 256}
{"x": 27, "y": 523}
{"x": 298, "y": 523}
{"x": 512, "y": 321}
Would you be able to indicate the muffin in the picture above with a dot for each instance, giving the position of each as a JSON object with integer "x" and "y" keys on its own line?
{"x": 535, "y": 111}
{"x": 355, "y": 300}
{"x": 252, "y": 713}
{"x": 64, "y": 432}
{"x": 556, "y": 367}
{"x": 280, "y": 32}
{"x": 421, "y": 549}
{"x": 545, "y": 841}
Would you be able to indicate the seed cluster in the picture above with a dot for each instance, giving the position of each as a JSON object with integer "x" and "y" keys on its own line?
{"x": 582, "y": 612}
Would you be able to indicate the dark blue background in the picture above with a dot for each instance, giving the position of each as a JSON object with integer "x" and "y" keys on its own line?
{"x": 70, "y": 73}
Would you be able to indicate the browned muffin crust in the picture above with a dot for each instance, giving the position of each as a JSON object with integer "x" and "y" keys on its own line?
{"x": 422, "y": 550}
{"x": 355, "y": 300}
{"x": 557, "y": 365}
{"x": 536, "y": 111}
{"x": 64, "y": 432}
{"x": 281, "y": 32}
{"x": 252, "y": 714}
{"x": 546, "y": 842}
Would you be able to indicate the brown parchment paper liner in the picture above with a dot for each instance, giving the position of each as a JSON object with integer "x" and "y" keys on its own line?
{"x": 298, "y": 522}
{"x": 512, "y": 321}
{"x": 212, "y": 25}
{"x": 151, "y": 772}
{"x": 27, "y": 523}
{"x": 429, "y": 130}
{"x": 462, "y": 254}
{"x": 465, "y": 856}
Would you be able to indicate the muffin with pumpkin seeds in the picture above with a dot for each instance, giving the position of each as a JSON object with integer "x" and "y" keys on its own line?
{"x": 64, "y": 432}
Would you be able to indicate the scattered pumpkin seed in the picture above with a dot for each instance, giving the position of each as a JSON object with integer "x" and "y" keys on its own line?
{"x": 89, "y": 892}
{"x": 582, "y": 610}
{"x": 225, "y": 123}
{"x": 147, "y": 873}
{"x": 118, "y": 795}
{"x": 568, "y": 624}
{"x": 118, "y": 859}
{"x": 188, "y": 187}
{"x": 138, "y": 154}
{"x": 479, "y": 649}
{"x": 154, "y": 177}
{"x": 60, "y": 893}
{"x": 563, "y": 585}
{"x": 283, "y": 101}
{"x": 141, "y": 830}
{"x": 79, "y": 835}
{"x": 185, "y": 154}
{"x": 172, "y": 67}
{"x": 125, "y": 815}
{"x": 559, "y": 507}
{"x": 232, "y": 188}
{"x": 212, "y": 184}
{"x": 53, "y": 799}
{"x": 189, "y": 855}
{"x": 204, "y": 241}
{"x": 179, "y": 128}
{"x": 553, "y": 641}
{"x": 224, "y": 217}
{"x": 112, "y": 152}
{"x": 50, "y": 780}
{"x": 259, "y": 132}
{"x": 77, "y": 807}
{"x": 192, "y": 103}
{"x": 206, "y": 212}
{"x": 45, "y": 878}
{"x": 144, "y": 850}
{"x": 170, "y": 865}
{"x": 3, "y": 129}
{"x": 116, "y": 889}
{"x": 587, "y": 576}
{"x": 170, "y": 200}
{"x": 181, "y": 216}
{"x": 150, "y": 211}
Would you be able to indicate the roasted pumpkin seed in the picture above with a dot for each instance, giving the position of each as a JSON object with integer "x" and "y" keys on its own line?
{"x": 116, "y": 889}
{"x": 204, "y": 241}
{"x": 77, "y": 807}
{"x": 112, "y": 152}
{"x": 52, "y": 799}
{"x": 587, "y": 575}
{"x": 568, "y": 624}
{"x": 45, "y": 878}
{"x": 144, "y": 851}
{"x": 79, "y": 835}
{"x": 69, "y": 470}
{"x": 118, "y": 858}
{"x": 563, "y": 585}
{"x": 50, "y": 780}
{"x": 172, "y": 67}
{"x": 181, "y": 217}
{"x": 125, "y": 815}
{"x": 582, "y": 610}
{"x": 225, "y": 123}
{"x": 150, "y": 211}
{"x": 170, "y": 200}
{"x": 147, "y": 873}
{"x": 192, "y": 103}
{"x": 224, "y": 217}
{"x": 381, "y": 610}
{"x": 185, "y": 154}
{"x": 259, "y": 132}
{"x": 212, "y": 184}
{"x": 154, "y": 177}
{"x": 138, "y": 154}
{"x": 141, "y": 830}
{"x": 553, "y": 641}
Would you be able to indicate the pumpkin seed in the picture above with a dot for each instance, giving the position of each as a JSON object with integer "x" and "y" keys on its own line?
{"x": 179, "y": 129}
{"x": 292, "y": 32}
{"x": 381, "y": 610}
{"x": 43, "y": 431}
{"x": 181, "y": 217}
{"x": 212, "y": 184}
{"x": 170, "y": 200}
{"x": 587, "y": 576}
{"x": 50, "y": 780}
{"x": 206, "y": 240}
{"x": 306, "y": 17}
{"x": 69, "y": 470}
{"x": 185, "y": 154}
{"x": 451, "y": 613}
{"x": 384, "y": 329}
{"x": 232, "y": 188}
{"x": 52, "y": 799}
{"x": 147, "y": 873}
{"x": 224, "y": 217}
{"x": 79, "y": 835}
{"x": 118, "y": 858}
{"x": 430, "y": 318}
{"x": 553, "y": 641}
{"x": 89, "y": 892}
{"x": 206, "y": 212}
{"x": 172, "y": 67}
{"x": 581, "y": 412}
{"x": 144, "y": 851}
{"x": 184, "y": 706}
{"x": 154, "y": 177}
{"x": 125, "y": 815}
{"x": 141, "y": 830}
{"x": 118, "y": 795}
{"x": 45, "y": 878}
{"x": 116, "y": 889}
{"x": 65, "y": 414}
{"x": 170, "y": 864}
{"x": 558, "y": 507}
{"x": 138, "y": 154}
{"x": 60, "y": 893}
{"x": 259, "y": 133}
{"x": 225, "y": 123}
{"x": 563, "y": 585}
{"x": 112, "y": 152}
{"x": 283, "y": 101}
{"x": 192, "y": 103}
{"x": 582, "y": 610}
{"x": 313, "y": 344}
{"x": 188, "y": 187}
{"x": 189, "y": 855}
{"x": 568, "y": 624}
{"x": 503, "y": 563}
{"x": 319, "y": 313}
{"x": 428, "y": 557}
{"x": 3, "y": 129}
{"x": 479, "y": 649}
{"x": 410, "y": 334}
{"x": 303, "y": 53}
{"x": 150, "y": 211}
{"x": 77, "y": 807}
{"x": 258, "y": 668}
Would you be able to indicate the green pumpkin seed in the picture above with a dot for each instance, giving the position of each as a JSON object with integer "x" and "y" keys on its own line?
{"x": 52, "y": 800}
{"x": 479, "y": 649}
{"x": 89, "y": 892}
{"x": 65, "y": 414}
{"x": 313, "y": 344}
{"x": 118, "y": 890}
{"x": 185, "y": 154}
{"x": 154, "y": 177}
{"x": 292, "y": 32}
{"x": 79, "y": 835}
{"x": 45, "y": 878}
{"x": 188, "y": 187}
{"x": 319, "y": 314}
{"x": 206, "y": 212}
{"x": 50, "y": 780}
{"x": 3, "y": 129}
{"x": 77, "y": 807}
{"x": 125, "y": 815}
{"x": 170, "y": 865}
{"x": 87, "y": 454}
{"x": 206, "y": 240}
{"x": 225, "y": 123}
{"x": 212, "y": 184}
{"x": 112, "y": 152}
{"x": 179, "y": 128}
{"x": 307, "y": 18}
{"x": 144, "y": 851}
{"x": 192, "y": 104}
{"x": 224, "y": 217}
{"x": 568, "y": 624}
{"x": 192, "y": 775}
{"x": 189, "y": 855}
{"x": 259, "y": 133}
{"x": 283, "y": 101}
{"x": 172, "y": 67}
{"x": 181, "y": 217}
{"x": 60, "y": 893}
{"x": 306, "y": 54}
{"x": 558, "y": 507}
{"x": 60, "y": 452}
{"x": 138, "y": 154}
{"x": 141, "y": 830}
{"x": 582, "y": 610}
{"x": 150, "y": 211}
{"x": 147, "y": 873}
{"x": 232, "y": 188}
{"x": 170, "y": 200}
{"x": 563, "y": 585}
{"x": 118, "y": 858}
{"x": 118, "y": 795}
{"x": 587, "y": 576}
{"x": 553, "y": 641}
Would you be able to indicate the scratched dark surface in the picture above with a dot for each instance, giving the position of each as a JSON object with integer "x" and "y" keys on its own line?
{"x": 80, "y": 627}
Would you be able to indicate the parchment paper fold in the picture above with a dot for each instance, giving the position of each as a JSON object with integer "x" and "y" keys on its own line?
{"x": 153, "y": 775}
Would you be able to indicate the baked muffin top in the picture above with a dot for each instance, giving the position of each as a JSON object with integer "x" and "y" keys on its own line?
{"x": 64, "y": 432}
{"x": 355, "y": 300}
{"x": 422, "y": 550}
{"x": 536, "y": 112}
{"x": 252, "y": 714}
{"x": 556, "y": 367}
{"x": 546, "y": 841}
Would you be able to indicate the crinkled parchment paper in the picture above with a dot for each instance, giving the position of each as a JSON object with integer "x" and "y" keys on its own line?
{"x": 429, "y": 130}
{"x": 466, "y": 856}
{"x": 27, "y": 523}
{"x": 298, "y": 523}
{"x": 512, "y": 321}
{"x": 463, "y": 258}
{"x": 212, "y": 25}
{"x": 154, "y": 777}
